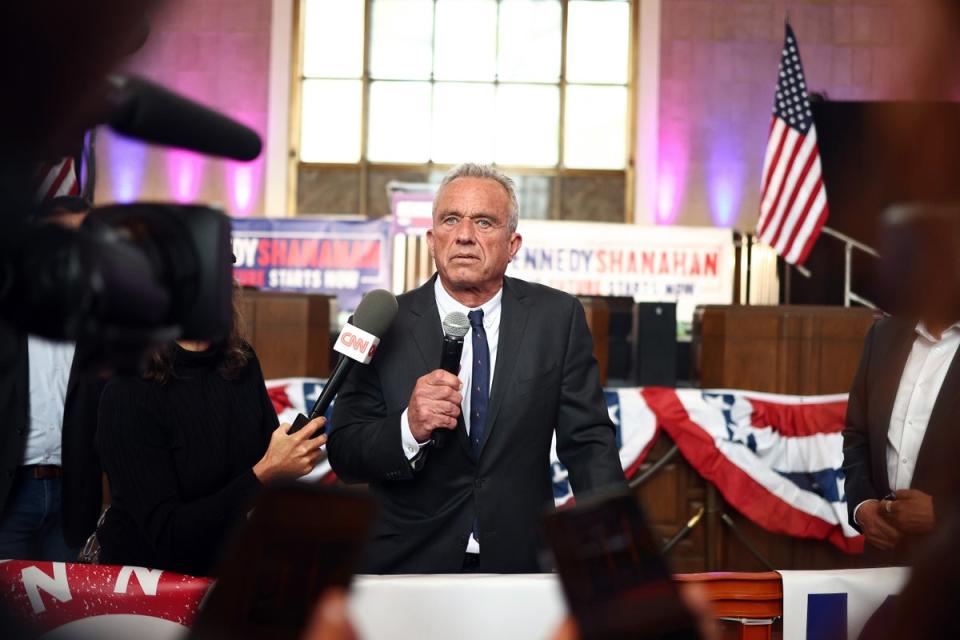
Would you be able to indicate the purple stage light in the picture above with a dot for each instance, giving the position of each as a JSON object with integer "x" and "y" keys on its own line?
{"x": 126, "y": 159}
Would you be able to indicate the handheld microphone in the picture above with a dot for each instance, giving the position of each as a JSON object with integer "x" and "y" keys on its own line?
{"x": 455, "y": 327}
{"x": 357, "y": 343}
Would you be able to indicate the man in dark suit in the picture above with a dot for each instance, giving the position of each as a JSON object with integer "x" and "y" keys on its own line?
{"x": 526, "y": 372}
{"x": 901, "y": 444}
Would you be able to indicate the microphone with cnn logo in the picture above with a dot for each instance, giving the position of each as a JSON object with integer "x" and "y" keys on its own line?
{"x": 357, "y": 343}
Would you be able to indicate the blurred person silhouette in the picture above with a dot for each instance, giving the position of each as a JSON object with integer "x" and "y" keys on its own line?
{"x": 331, "y": 618}
{"x": 927, "y": 605}
{"x": 695, "y": 598}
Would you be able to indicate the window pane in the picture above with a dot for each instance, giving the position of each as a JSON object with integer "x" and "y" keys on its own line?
{"x": 333, "y": 39}
{"x": 598, "y": 198}
{"x": 528, "y": 119}
{"x": 330, "y": 121}
{"x": 462, "y": 123}
{"x": 328, "y": 189}
{"x": 595, "y": 127}
{"x": 466, "y": 40}
{"x": 402, "y": 39}
{"x": 598, "y": 41}
{"x": 530, "y": 40}
{"x": 399, "y": 122}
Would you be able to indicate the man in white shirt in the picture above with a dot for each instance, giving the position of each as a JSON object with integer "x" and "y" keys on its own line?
{"x": 901, "y": 440}
{"x": 30, "y": 522}
{"x": 50, "y": 479}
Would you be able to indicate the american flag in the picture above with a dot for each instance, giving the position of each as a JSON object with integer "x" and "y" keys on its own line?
{"x": 56, "y": 179}
{"x": 793, "y": 205}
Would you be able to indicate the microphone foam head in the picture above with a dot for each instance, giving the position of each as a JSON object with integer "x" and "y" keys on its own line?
{"x": 376, "y": 312}
{"x": 456, "y": 324}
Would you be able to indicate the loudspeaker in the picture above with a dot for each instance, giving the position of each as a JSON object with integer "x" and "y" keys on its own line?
{"x": 655, "y": 344}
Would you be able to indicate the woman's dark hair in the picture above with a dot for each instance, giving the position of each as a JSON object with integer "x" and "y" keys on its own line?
{"x": 234, "y": 351}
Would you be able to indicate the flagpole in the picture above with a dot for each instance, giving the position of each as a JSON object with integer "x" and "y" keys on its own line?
{"x": 786, "y": 282}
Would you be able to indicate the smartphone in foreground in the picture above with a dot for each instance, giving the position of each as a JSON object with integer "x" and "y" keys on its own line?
{"x": 616, "y": 583}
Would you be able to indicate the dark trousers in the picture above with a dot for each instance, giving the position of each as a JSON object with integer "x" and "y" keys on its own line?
{"x": 471, "y": 563}
{"x": 30, "y": 525}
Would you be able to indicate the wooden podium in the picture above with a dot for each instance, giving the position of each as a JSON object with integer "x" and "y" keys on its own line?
{"x": 598, "y": 321}
{"x": 289, "y": 331}
{"x": 803, "y": 350}
{"x": 747, "y": 606}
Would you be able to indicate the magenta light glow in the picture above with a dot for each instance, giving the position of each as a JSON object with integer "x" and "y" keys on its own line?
{"x": 184, "y": 172}
{"x": 244, "y": 181}
{"x": 666, "y": 198}
{"x": 672, "y": 175}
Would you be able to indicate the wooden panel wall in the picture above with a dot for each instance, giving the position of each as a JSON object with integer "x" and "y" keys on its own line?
{"x": 795, "y": 349}
{"x": 289, "y": 331}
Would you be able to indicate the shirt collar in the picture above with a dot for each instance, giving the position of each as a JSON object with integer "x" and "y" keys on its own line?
{"x": 922, "y": 331}
{"x": 447, "y": 303}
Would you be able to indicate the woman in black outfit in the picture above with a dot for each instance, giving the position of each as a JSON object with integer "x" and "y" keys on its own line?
{"x": 186, "y": 447}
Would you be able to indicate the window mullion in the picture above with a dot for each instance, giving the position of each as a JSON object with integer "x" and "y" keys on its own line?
{"x": 433, "y": 81}
{"x": 496, "y": 75}
{"x": 558, "y": 181}
{"x": 364, "y": 173}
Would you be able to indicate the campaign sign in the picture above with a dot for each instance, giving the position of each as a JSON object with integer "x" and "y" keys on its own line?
{"x": 686, "y": 265}
{"x": 344, "y": 258}
{"x": 66, "y": 600}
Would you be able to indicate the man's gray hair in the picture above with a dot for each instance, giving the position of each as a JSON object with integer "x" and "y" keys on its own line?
{"x": 474, "y": 170}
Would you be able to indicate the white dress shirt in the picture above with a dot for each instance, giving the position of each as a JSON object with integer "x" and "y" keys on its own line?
{"x": 920, "y": 383}
{"x": 491, "y": 325}
{"x": 49, "y": 363}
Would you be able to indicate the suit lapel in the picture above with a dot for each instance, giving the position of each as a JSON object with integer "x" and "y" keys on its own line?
{"x": 943, "y": 421}
{"x": 425, "y": 326}
{"x": 513, "y": 322}
{"x": 427, "y": 332}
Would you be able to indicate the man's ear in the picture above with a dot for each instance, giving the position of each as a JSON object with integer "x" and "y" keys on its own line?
{"x": 430, "y": 241}
{"x": 516, "y": 240}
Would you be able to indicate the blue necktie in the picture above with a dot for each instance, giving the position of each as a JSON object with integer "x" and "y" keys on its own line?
{"x": 479, "y": 382}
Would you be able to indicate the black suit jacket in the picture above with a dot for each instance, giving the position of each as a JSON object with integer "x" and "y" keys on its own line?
{"x": 14, "y": 403}
{"x": 937, "y": 471}
{"x": 545, "y": 378}
{"x": 81, "y": 493}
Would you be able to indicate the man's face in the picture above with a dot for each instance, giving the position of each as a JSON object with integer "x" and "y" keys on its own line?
{"x": 471, "y": 241}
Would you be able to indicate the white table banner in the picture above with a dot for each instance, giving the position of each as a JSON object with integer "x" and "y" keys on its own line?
{"x": 837, "y": 603}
